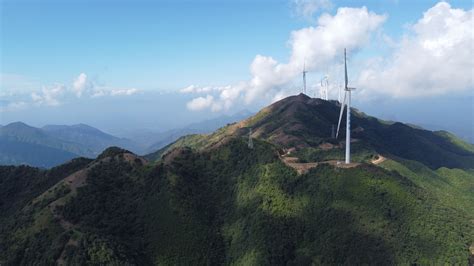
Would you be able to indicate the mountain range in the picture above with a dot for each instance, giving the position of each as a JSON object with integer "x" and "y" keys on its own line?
{"x": 285, "y": 200}
{"x": 52, "y": 145}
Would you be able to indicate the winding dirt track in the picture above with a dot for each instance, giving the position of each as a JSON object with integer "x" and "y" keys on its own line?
{"x": 302, "y": 168}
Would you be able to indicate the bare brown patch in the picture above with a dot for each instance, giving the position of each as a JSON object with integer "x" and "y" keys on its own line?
{"x": 132, "y": 158}
{"x": 300, "y": 168}
{"x": 378, "y": 160}
{"x": 327, "y": 146}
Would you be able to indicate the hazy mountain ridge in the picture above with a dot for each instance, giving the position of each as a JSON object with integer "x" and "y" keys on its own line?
{"x": 90, "y": 137}
{"x": 23, "y": 144}
{"x": 153, "y": 141}
{"x": 306, "y": 123}
{"x": 52, "y": 145}
{"x": 210, "y": 199}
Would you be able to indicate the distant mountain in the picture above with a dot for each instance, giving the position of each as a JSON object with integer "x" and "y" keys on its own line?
{"x": 287, "y": 200}
{"x": 157, "y": 140}
{"x": 52, "y": 145}
{"x": 89, "y": 137}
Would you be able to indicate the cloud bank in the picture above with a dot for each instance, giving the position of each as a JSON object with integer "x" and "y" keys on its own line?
{"x": 436, "y": 58}
{"x": 53, "y": 95}
{"x": 349, "y": 28}
{"x": 49, "y": 96}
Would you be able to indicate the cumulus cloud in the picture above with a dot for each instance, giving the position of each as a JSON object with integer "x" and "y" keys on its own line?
{"x": 49, "y": 95}
{"x": 200, "y": 103}
{"x": 17, "y": 92}
{"x": 81, "y": 84}
{"x": 349, "y": 28}
{"x": 435, "y": 58}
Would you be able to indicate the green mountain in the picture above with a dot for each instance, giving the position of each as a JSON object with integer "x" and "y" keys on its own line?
{"x": 92, "y": 138}
{"x": 23, "y": 144}
{"x": 53, "y": 145}
{"x": 210, "y": 199}
{"x": 306, "y": 124}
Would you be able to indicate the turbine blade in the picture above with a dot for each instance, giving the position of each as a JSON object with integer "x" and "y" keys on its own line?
{"x": 345, "y": 69}
{"x": 340, "y": 114}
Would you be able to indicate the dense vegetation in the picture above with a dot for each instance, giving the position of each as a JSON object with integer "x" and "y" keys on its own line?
{"x": 210, "y": 199}
{"x": 19, "y": 185}
{"x": 305, "y": 123}
{"x": 235, "y": 205}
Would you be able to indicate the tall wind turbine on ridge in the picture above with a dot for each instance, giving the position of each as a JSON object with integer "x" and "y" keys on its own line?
{"x": 347, "y": 96}
{"x": 304, "y": 76}
{"x": 324, "y": 88}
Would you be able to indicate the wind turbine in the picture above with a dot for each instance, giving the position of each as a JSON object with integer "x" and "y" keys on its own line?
{"x": 324, "y": 88}
{"x": 304, "y": 77}
{"x": 347, "y": 96}
{"x": 339, "y": 91}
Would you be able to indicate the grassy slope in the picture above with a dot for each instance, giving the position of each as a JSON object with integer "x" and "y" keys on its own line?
{"x": 215, "y": 204}
{"x": 233, "y": 205}
{"x": 299, "y": 121}
{"x": 269, "y": 215}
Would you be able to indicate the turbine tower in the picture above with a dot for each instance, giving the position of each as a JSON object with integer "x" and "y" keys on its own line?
{"x": 324, "y": 88}
{"x": 250, "y": 143}
{"x": 347, "y": 96}
{"x": 339, "y": 91}
{"x": 304, "y": 77}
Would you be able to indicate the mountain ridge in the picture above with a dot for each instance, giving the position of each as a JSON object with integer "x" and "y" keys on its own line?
{"x": 304, "y": 123}
{"x": 54, "y": 144}
{"x": 211, "y": 199}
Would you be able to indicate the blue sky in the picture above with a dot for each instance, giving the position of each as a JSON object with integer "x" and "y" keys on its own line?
{"x": 137, "y": 55}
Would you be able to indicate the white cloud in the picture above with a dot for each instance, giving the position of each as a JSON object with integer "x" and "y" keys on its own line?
{"x": 98, "y": 93}
{"x": 318, "y": 46}
{"x": 49, "y": 95}
{"x": 200, "y": 103}
{"x": 307, "y": 8}
{"x": 435, "y": 58}
{"x": 81, "y": 84}
{"x": 199, "y": 89}
{"x": 188, "y": 89}
{"x": 116, "y": 92}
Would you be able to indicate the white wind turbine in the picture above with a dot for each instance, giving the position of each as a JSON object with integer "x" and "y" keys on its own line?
{"x": 347, "y": 96}
{"x": 323, "y": 93}
{"x": 304, "y": 76}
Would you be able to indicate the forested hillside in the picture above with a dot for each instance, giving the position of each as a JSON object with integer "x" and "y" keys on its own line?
{"x": 212, "y": 199}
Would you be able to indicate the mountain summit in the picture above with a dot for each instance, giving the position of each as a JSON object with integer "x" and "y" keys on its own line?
{"x": 305, "y": 125}
{"x": 285, "y": 200}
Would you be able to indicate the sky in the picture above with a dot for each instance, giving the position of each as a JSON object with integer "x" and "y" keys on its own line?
{"x": 125, "y": 65}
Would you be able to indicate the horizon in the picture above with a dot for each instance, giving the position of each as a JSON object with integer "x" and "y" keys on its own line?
{"x": 128, "y": 68}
